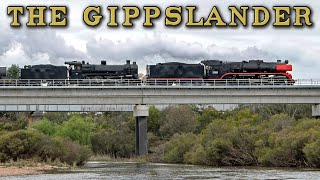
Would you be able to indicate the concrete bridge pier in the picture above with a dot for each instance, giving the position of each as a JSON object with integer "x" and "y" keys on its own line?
{"x": 316, "y": 110}
{"x": 141, "y": 112}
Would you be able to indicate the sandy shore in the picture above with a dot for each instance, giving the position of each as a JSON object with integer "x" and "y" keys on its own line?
{"x": 18, "y": 171}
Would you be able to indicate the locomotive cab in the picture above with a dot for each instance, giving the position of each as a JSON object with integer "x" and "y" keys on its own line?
{"x": 75, "y": 69}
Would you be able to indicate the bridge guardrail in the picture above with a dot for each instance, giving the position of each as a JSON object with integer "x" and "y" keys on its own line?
{"x": 158, "y": 83}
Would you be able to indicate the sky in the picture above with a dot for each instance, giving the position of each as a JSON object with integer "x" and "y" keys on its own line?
{"x": 24, "y": 46}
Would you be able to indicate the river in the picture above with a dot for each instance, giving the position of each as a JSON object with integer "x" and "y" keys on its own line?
{"x": 123, "y": 170}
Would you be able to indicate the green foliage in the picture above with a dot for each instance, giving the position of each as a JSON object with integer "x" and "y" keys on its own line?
{"x": 154, "y": 120}
{"x": 208, "y": 115}
{"x": 56, "y": 117}
{"x": 45, "y": 126}
{"x": 115, "y": 135}
{"x": 20, "y": 144}
{"x": 245, "y": 138}
{"x": 26, "y": 144}
{"x": 296, "y": 111}
{"x": 268, "y": 135}
{"x": 77, "y": 128}
{"x": 118, "y": 143}
{"x": 196, "y": 155}
{"x": 312, "y": 153}
{"x": 178, "y": 119}
{"x": 178, "y": 145}
{"x": 291, "y": 146}
{"x": 11, "y": 121}
{"x": 65, "y": 150}
{"x": 14, "y": 71}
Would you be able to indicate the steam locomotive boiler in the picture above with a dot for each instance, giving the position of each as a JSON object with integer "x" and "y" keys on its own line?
{"x": 81, "y": 70}
{"x": 215, "y": 69}
{"x": 253, "y": 69}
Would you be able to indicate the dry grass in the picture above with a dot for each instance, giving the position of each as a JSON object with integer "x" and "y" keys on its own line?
{"x": 142, "y": 159}
{"x": 18, "y": 171}
{"x": 29, "y": 167}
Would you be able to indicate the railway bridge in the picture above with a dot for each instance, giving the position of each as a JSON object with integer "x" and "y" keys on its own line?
{"x": 75, "y": 95}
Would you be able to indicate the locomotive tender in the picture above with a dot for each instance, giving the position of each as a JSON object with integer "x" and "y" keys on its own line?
{"x": 215, "y": 69}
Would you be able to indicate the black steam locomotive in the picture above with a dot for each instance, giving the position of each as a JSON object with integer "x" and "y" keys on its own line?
{"x": 81, "y": 70}
{"x": 214, "y": 69}
{"x": 205, "y": 70}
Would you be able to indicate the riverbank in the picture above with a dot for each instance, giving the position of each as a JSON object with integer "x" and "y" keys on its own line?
{"x": 19, "y": 171}
{"x": 29, "y": 167}
{"x": 106, "y": 158}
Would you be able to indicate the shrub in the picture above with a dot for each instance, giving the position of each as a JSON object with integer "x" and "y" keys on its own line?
{"x": 178, "y": 145}
{"x": 45, "y": 126}
{"x": 20, "y": 144}
{"x": 65, "y": 150}
{"x": 77, "y": 128}
{"x": 178, "y": 119}
{"x": 27, "y": 144}
{"x": 312, "y": 153}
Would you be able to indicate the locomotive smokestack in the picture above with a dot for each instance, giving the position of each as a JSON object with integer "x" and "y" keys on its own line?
{"x": 128, "y": 61}
{"x": 104, "y": 63}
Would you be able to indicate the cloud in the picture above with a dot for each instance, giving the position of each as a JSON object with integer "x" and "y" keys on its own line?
{"x": 169, "y": 48}
{"x": 35, "y": 46}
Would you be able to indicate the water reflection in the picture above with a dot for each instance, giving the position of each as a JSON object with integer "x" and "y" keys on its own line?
{"x": 114, "y": 170}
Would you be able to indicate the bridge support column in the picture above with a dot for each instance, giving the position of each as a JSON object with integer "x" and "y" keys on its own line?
{"x": 316, "y": 110}
{"x": 141, "y": 112}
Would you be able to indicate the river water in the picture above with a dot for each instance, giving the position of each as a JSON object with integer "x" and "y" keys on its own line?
{"x": 123, "y": 170}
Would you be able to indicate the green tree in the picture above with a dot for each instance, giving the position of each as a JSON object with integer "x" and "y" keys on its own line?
{"x": 45, "y": 126}
{"x": 206, "y": 116}
{"x": 14, "y": 71}
{"x": 22, "y": 144}
{"x": 154, "y": 120}
{"x": 178, "y": 119}
{"x": 77, "y": 128}
{"x": 177, "y": 146}
{"x": 56, "y": 117}
{"x": 312, "y": 153}
{"x": 115, "y": 135}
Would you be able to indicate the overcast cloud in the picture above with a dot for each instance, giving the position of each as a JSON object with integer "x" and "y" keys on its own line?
{"x": 160, "y": 44}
